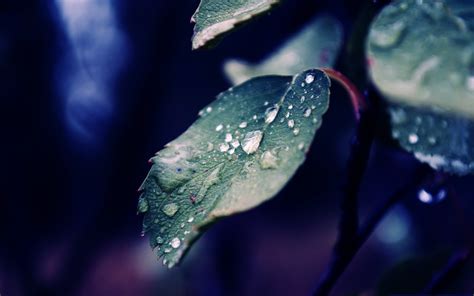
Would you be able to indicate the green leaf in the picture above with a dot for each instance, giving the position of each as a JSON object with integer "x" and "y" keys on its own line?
{"x": 214, "y": 18}
{"x": 421, "y": 53}
{"x": 242, "y": 150}
{"x": 316, "y": 45}
{"x": 443, "y": 141}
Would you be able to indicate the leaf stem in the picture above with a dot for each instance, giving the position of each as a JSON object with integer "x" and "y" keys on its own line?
{"x": 341, "y": 258}
{"x": 357, "y": 99}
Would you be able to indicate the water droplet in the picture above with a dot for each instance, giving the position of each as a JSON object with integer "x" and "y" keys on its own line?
{"x": 210, "y": 146}
{"x": 209, "y": 109}
{"x": 228, "y": 137}
{"x": 301, "y": 146}
{"x": 175, "y": 243}
{"x": 166, "y": 251}
{"x": 388, "y": 35}
{"x": 291, "y": 123}
{"x": 470, "y": 83}
{"x": 201, "y": 113}
{"x": 254, "y": 117}
{"x": 265, "y": 104}
{"x": 432, "y": 140}
{"x": 309, "y": 78}
{"x": 231, "y": 151}
{"x": 412, "y": 138}
{"x": 270, "y": 114}
{"x": 170, "y": 209}
{"x": 191, "y": 219}
{"x": 290, "y": 107}
{"x": 224, "y": 147}
{"x": 307, "y": 112}
{"x": 235, "y": 143}
{"x": 243, "y": 124}
{"x": 268, "y": 160}
{"x": 287, "y": 115}
{"x": 296, "y": 131}
{"x": 302, "y": 99}
{"x": 428, "y": 197}
{"x": 315, "y": 120}
{"x": 219, "y": 127}
{"x": 142, "y": 205}
{"x": 398, "y": 116}
{"x": 251, "y": 141}
{"x": 160, "y": 240}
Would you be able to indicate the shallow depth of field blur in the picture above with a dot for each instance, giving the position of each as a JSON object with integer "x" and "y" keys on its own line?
{"x": 90, "y": 90}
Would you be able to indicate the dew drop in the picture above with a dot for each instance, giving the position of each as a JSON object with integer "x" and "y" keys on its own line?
{"x": 296, "y": 131}
{"x": 268, "y": 160}
{"x": 254, "y": 117}
{"x": 470, "y": 83}
{"x": 228, "y": 137}
{"x": 201, "y": 113}
{"x": 428, "y": 197}
{"x": 432, "y": 140}
{"x": 170, "y": 209}
{"x": 251, "y": 141}
{"x": 209, "y": 109}
{"x": 219, "y": 127}
{"x": 291, "y": 123}
{"x": 287, "y": 114}
{"x": 270, "y": 114}
{"x": 224, "y": 147}
{"x": 309, "y": 78}
{"x": 301, "y": 146}
{"x": 243, "y": 124}
{"x": 191, "y": 219}
{"x": 302, "y": 99}
{"x": 307, "y": 112}
{"x": 142, "y": 205}
{"x": 231, "y": 151}
{"x": 166, "y": 250}
{"x": 175, "y": 243}
{"x": 235, "y": 143}
{"x": 387, "y": 36}
{"x": 265, "y": 104}
{"x": 412, "y": 138}
{"x": 290, "y": 107}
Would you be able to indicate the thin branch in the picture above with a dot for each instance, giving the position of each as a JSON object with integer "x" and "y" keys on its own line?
{"x": 455, "y": 263}
{"x": 340, "y": 260}
{"x": 357, "y": 99}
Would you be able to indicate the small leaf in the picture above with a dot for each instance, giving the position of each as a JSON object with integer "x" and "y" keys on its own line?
{"x": 214, "y": 18}
{"x": 421, "y": 53}
{"x": 443, "y": 141}
{"x": 316, "y": 45}
{"x": 241, "y": 152}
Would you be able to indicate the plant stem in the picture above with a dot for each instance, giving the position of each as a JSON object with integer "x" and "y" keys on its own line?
{"x": 357, "y": 99}
{"x": 340, "y": 260}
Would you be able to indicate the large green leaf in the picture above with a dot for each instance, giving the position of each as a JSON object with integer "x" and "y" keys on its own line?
{"x": 444, "y": 141}
{"x": 214, "y": 18}
{"x": 421, "y": 53}
{"x": 241, "y": 151}
{"x": 316, "y": 45}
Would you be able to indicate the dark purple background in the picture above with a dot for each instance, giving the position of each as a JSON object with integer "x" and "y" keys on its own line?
{"x": 81, "y": 114}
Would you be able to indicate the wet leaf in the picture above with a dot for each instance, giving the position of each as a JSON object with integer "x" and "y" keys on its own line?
{"x": 421, "y": 53}
{"x": 444, "y": 141}
{"x": 214, "y": 18}
{"x": 241, "y": 151}
{"x": 316, "y": 45}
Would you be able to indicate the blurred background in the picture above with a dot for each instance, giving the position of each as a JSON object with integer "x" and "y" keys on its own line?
{"x": 91, "y": 89}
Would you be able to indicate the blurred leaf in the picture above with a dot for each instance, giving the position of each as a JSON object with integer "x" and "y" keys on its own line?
{"x": 421, "y": 53}
{"x": 316, "y": 45}
{"x": 241, "y": 152}
{"x": 214, "y": 18}
{"x": 444, "y": 141}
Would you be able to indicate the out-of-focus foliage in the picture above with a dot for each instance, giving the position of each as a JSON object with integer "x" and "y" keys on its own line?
{"x": 214, "y": 18}
{"x": 317, "y": 45}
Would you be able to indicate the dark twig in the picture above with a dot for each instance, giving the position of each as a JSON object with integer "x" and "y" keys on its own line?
{"x": 356, "y": 167}
{"x": 340, "y": 260}
{"x": 453, "y": 266}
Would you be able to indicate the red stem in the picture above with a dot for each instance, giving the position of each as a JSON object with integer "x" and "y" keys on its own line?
{"x": 357, "y": 99}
